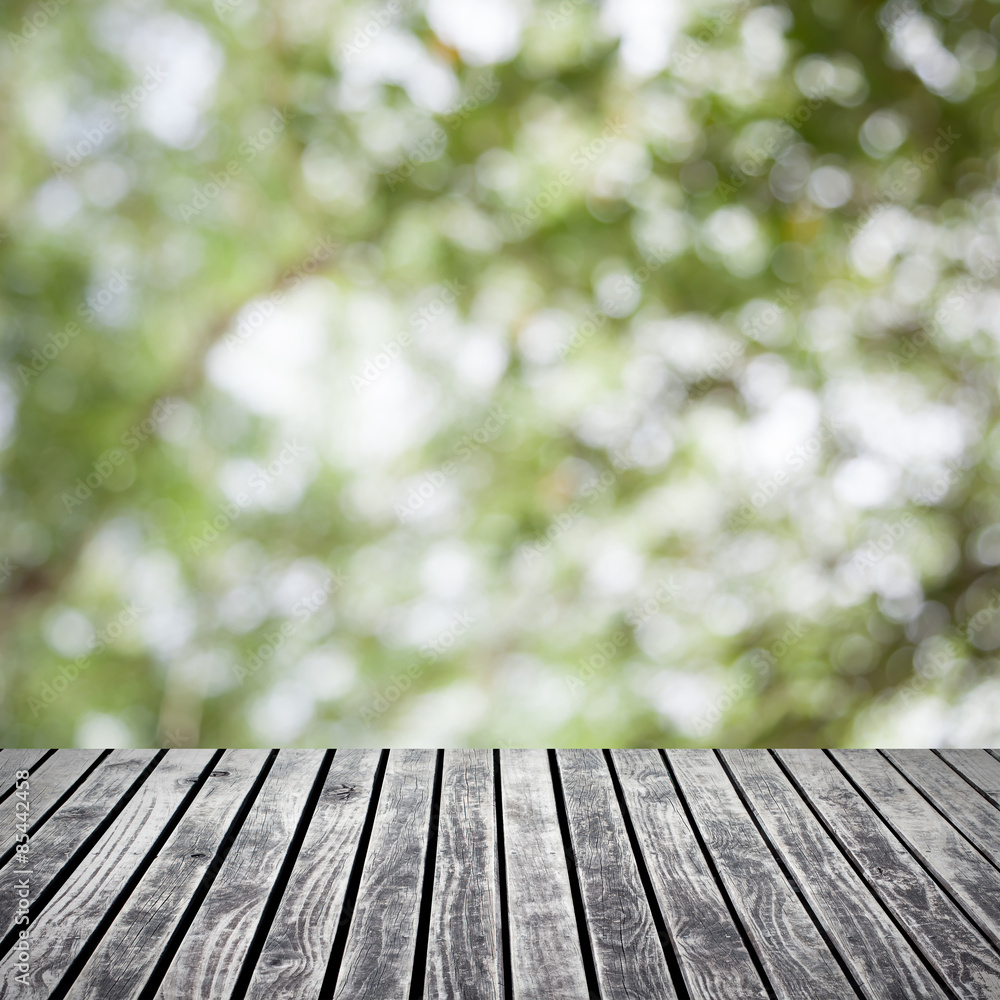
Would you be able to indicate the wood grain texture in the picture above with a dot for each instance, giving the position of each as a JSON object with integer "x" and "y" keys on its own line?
{"x": 465, "y": 957}
{"x": 627, "y": 952}
{"x": 295, "y": 954}
{"x": 631, "y": 874}
{"x": 791, "y": 949}
{"x": 63, "y": 927}
{"x": 378, "y": 958}
{"x": 959, "y": 952}
{"x": 713, "y": 959}
{"x": 967, "y": 875}
{"x": 212, "y": 953}
{"x": 61, "y": 839}
{"x": 976, "y": 817}
{"x": 546, "y": 960}
{"x": 978, "y": 768}
{"x": 869, "y": 942}
{"x": 46, "y": 786}
{"x": 120, "y": 965}
{"x": 12, "y": 761}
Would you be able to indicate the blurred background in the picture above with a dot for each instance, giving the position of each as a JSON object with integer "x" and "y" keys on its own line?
{"x": 497, "y": 373}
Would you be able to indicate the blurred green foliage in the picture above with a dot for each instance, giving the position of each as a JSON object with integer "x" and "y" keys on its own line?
{"x": 497, "y": 374}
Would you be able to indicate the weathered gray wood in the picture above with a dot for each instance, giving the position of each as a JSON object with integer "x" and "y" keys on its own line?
{"x": 12, "y": 761}
{"x": 64, "y": 925}
{"x": 957, "y": 950}
{"x": 120, "y": 965}
{"x": 546, "y": 960}
{"x": 45, "y": 787}
{"x": 868, "y": 941}
{"x": 465, "y": 957}
{"x": 892, "y": 875}
{"x": 297, "y": 949}
{"x": 958, "y": 865}
{"x": 627, "y": 952}
{"x": 211, "y": 955}
{"x": 978, "y": 819}
{"x": 378, "y": 958}
{"x": 52, "y": 847}
{"x": 791, "y": 949}
{"x": 979, "y": 768}
{"x": 712, "y": 957}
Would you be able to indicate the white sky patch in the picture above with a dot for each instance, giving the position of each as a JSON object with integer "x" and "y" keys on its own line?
{"x": 922, "y": 722}
{"x": 98, "y": 730}
{"x": 613, "y": 568}
{"x": 976, "y": 718}
{"x": 791, "y": 420}
{"x": 534, "y": 695}
{"x": 481, "y": 359}
{"x": 242, "y": 608}
{"x": 283, "y": 713}
{"x": 734, "y": 234}
{"x": 830, "y": 187}
{"x": 662, "y": 637}
{"x": 883, "y": 133}
{"x": 190, "y": 61}
{"x": 727, "y": 615}
{"x": 327, "y": 673}
{"x": 291, "y": 369}
{"x": 484, "y": 32}
{"x": 443, "y": 718}
{"x": 397, "y": 412}
{"x": 306, "y": 580}
{"x": 398, "y": 57}
{"x": 68, "y": 632}
{"x": 866, "y": 482}
{"x": 893, "y": 420}
{"x": 45, "y": 113}
{"x": 207, "y": 672}
{"x": 890, "y": 231}
{"x": 647, "y": 29}
{"x": 684, "y": 697}
{"x": 541, "y": 335}
{"x": 841, "y": 79}
{"x": 916, "y": 40}
{"x": 275, "y": 370}
{"x": 690, "y": 344}
{"x": 56, "y": 203}
{"x": 448, "y": 570}
{"x": 168, "y": 617}
{"x": 275, "y": 483}
{"x": 763, "y": 32}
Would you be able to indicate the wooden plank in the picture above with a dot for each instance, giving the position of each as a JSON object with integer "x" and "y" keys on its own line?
{"x": 958, "y": 951}
{"x": 378, "y": 957}
{"x": 792, "y": 951}
{"x": 967, "y": 875}
{"x": 546, "y": 960}
{"x": 713, "y": 959}
{"x": 871, "y": 945}
{"x": 294, "y": 958}
{"x": 627, "y": 952}
{"x": 127, "y": 952}
{"x": 212, "y": 953}
{"x": 59, "y": 841}
{"x": 977, "y": 818}
{"x": 979, "y": 768}
{"x": 45, "y": 787}
{"x": 12, "y": 761}
{"x": 465, "y": 954}
{"x": 63, "y": 927}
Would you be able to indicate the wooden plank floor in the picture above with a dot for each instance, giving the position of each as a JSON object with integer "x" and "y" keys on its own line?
{"x": 500, "y": 875}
